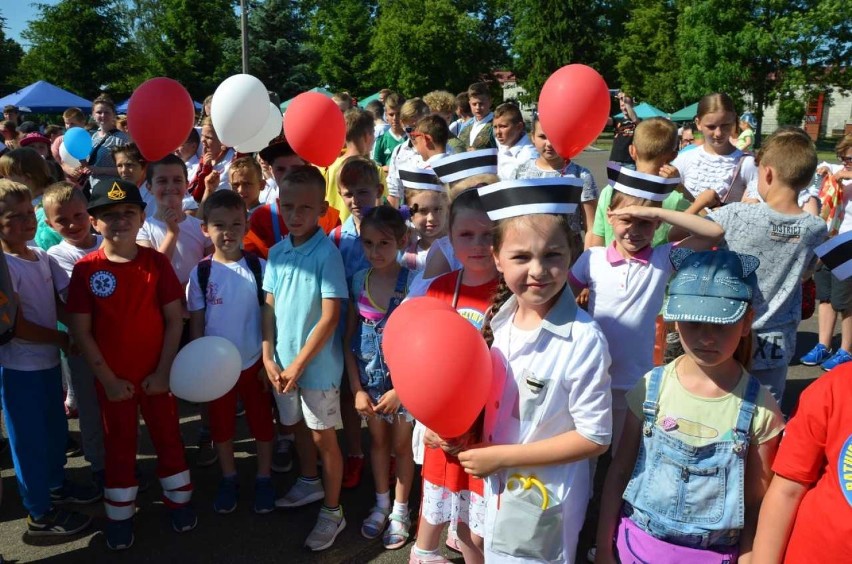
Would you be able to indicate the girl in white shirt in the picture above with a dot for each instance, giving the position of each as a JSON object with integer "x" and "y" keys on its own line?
{"x": 717, "y": 164}
{"x": 549, "y": 409}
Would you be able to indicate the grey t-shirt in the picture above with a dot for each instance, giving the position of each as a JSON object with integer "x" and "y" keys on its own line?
{"x": 785, "y": 246}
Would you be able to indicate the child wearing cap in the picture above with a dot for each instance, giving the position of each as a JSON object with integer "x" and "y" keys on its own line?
{"x": 126, "y": 316}
{"x": 30, "y": 374}
{"x": 693, "y": 463}
{"x": 783, "y": 237}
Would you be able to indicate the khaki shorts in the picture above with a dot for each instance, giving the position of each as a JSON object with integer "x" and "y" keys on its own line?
{"x": 319, "y": 408}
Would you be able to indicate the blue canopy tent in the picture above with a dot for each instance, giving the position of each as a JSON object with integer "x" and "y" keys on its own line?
{"x": 319, "y": 89}
{"x": 122, "y": 107}
{"x": 645, "y": 111}
{"x": 43, "y": 97}
{"x": 686, "y": 114}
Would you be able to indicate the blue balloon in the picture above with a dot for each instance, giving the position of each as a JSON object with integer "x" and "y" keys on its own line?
{"x": 78, "y": 143}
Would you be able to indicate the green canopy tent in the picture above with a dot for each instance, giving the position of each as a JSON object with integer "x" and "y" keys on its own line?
{"x": 686, "y": 114}
{"x": 319, "y": 89}
{"x": 363, "y": 103}
{"x": 645, "y": 111}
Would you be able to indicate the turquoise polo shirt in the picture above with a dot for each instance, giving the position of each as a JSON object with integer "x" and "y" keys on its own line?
{"x": 300, "y": 278}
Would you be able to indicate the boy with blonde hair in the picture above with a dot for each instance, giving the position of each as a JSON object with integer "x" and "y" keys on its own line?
{"x": 394, "y": 136}
{"x": 65, "y": 211}
{"x": 30, "y": 374}
{"x": 404, "y": 155}
{"x": 305, "y": 282}
{"x": 246, "y": 179}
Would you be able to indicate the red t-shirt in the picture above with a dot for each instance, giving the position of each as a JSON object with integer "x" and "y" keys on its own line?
{"x": 440, "y": 468}
{"x": 817, "y": 451}
{"x": 126, "y": 303}
{"x": 261, "y": 237}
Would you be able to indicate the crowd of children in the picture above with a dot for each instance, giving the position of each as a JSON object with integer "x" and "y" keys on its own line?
{"x": 574, "y": 288}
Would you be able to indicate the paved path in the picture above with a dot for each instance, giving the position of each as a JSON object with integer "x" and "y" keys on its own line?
{"x": 243, "y": 536}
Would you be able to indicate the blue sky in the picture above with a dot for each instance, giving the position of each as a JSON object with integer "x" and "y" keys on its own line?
{"x": 18, "y": 13}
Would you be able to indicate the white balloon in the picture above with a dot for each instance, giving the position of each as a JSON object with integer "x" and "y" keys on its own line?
{"x": 205, "y": 370}
{"x": 239, "y": 109}
{"x": 67, "y": 158}
{"x": 270, "y": 130}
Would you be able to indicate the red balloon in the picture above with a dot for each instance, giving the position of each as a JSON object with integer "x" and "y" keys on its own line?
{"x": 160, "y": 114}
{"x": 314, "y": 128}
{"x": 573, "y": 108}
{"x": 440, "y": 366}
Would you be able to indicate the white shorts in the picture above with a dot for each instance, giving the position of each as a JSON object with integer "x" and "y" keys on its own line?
{"x": 319, "y": 408}
{"x": 441, "y": 505}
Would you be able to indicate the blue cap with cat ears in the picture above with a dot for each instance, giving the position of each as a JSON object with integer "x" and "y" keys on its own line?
{"x": 710, "y": 286}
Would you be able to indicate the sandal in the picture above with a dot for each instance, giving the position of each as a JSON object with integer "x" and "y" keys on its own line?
{"x": 373, "y": 525}
{"x": 397, "y": 532}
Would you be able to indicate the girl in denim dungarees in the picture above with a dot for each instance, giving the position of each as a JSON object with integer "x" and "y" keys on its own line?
{"x": 376, "y": 292}
{"x": 694, "y": 462}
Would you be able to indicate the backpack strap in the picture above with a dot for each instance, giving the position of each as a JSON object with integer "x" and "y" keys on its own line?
{"x": 203, "y": 273}
{"x": 254, "y": 265}
{"x": 273, "y": 214}
{"x": 650, "y": 405}
{"x": 742, "y": 429}
{"x": 337, "y": 235}
{"x": 399, "y": 292}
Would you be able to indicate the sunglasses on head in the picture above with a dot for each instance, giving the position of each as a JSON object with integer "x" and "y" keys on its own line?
{"x": 845, "y": 159}
{"x": 408, "y": 129}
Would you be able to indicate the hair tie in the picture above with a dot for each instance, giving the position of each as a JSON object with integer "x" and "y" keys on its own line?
{"x": 412, "y": 209}
{"x": 406, "y": 212}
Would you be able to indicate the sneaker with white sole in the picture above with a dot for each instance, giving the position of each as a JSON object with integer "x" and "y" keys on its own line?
{"x": 817, "y": 355}
{"x": 325, "y": 531}
{"x": 57, "y": 523}
{"x": 838, "y": 358}
{"x": 302, "y": 493}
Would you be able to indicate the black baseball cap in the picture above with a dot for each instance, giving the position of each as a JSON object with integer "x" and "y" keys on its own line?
{"x": 110, "y": 191}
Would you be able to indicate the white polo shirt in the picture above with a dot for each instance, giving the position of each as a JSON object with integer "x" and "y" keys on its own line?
{"x": 626, "y": 296}
{"x": 547, "y": 382}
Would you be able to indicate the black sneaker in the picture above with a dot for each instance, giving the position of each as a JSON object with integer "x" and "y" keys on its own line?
{"x": 58, "y": 522}
{"x": 72, "y": 448}
{"x": 78, "y": 494}
{"x": 282, "y": 457}
{"x": 119, "y": 534}
{"x": 207, "y": 455}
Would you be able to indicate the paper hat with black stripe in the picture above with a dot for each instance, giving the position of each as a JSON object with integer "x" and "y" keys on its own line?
{"x": 640, "y": 184}
{"x": 836, "y": 255}
{"x": 513, "y": 198}
{"x": 420, "y": 179}
{"x": 453, "y": 168}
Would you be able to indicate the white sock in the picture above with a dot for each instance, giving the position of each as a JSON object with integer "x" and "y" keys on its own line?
{"x": 400, "y": 508}
{"x": 383, "y": 500}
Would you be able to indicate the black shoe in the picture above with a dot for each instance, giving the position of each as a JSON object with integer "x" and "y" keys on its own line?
{"x": 58, "y": 522}
{"x": 72, "y": 448}
{"x": 78, "y": 494}
{"x": 282, "y": 458}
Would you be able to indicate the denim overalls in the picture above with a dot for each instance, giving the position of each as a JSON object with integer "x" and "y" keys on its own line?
{"x": 367, "y": 341}
{"x": 686, "y": 495}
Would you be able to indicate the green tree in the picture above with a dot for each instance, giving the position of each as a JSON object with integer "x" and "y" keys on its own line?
{"x": 340, "y": 34}
{"x": 186, "y": 41}
{"x": 762, "y": 49}
{"x": 549, "y": 34}
{"x": 79, "y": 46}
{"x": 10, "y": 57}
{"x": 647, "y": 65}
{"x": 419, "y": 46}
{"x": 279, "y": 53}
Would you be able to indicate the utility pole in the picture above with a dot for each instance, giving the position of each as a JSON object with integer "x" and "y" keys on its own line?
{"x": 244, "y": 29}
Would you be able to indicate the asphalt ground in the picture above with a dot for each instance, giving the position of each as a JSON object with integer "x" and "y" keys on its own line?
{"x": 243, "y": 536}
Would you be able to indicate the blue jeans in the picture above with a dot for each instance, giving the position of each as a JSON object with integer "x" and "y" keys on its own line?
{"x": 687, "y": 495}
{"x": 38, "y": 433}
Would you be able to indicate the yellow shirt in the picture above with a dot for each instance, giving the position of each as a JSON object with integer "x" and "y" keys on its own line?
{"x": 701, "y": 421}
{"x": 332, "y": 194}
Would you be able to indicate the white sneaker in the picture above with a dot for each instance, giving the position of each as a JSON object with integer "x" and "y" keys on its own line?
{"x": 325, "y": 531}
{"x": 302, "y": 493}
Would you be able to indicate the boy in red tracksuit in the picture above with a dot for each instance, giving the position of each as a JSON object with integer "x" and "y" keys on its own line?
{"x": 126, "y": 317}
